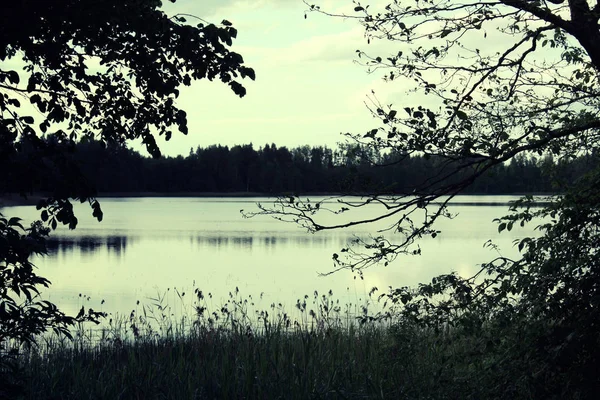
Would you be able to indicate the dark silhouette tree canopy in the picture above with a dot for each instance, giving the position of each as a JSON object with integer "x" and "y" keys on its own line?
{"x": 109, "y": 70}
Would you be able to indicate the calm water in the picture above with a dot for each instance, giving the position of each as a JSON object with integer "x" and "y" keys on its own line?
{"x": 145, "y": 246}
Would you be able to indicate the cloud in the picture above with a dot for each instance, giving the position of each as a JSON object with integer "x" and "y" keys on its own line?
{"x": 339, "y": 46}
{"x": 221, "y": 8}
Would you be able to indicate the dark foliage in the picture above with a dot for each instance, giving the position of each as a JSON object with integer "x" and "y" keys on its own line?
{"x": 108, "y": 70}
{"x": 143, "y": 56}
{"x": 274, "y": 170}
{"x": 489, "y": 83}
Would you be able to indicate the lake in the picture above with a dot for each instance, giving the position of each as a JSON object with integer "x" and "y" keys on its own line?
{"x": 147, "y": 247}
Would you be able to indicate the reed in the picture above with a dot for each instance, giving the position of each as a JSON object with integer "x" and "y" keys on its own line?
{"x": 320, "y": 349}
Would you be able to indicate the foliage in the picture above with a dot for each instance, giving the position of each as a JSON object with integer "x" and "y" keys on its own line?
{"x": 23, "y": 314}
{"x": 237, "y": 349}
{"x": 305, "y": 170}
{"x": 109, "y": 70}
{"x": 534, "y": 91}
{"x": 532, "y": 88}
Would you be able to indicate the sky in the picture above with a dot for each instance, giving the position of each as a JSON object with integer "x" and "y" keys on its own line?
{"x": 309, "y": 89}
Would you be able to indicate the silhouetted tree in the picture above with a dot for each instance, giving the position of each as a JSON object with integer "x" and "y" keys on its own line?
{"x": 489, "y": 82}
{"x": 56, "y": 96}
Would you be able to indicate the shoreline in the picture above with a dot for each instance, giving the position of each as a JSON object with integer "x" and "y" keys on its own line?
{"x": 13, "y": 200}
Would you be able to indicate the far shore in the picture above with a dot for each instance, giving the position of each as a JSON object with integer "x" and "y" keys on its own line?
{"x": 12, "y": 200}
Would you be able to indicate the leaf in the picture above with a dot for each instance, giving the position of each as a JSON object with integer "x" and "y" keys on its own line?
{"x": 237, "y": 88}
{"x": 501, "y": 227}
{"x": 27, "y": 119}
{"x": 358, "y": 8}
{"x": 249, "y": 72}
{"x": 14, "y": 221}
{"x": 461, "y": 115}
{"x": 13, "y": 77}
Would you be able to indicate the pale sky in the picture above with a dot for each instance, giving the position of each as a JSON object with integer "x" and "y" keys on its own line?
{"x": 308, "y": 88}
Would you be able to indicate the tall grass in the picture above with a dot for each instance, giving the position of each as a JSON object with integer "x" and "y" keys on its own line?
{"x": 319, "y": 349}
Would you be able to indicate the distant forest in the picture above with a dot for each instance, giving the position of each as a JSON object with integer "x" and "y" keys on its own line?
{"x": 273, "y": 170}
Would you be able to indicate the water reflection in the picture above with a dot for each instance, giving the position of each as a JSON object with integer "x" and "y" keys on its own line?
{"x": 88, "y": 244}
{"x": 218, "y": 241}
{"x": 118, "y": 244}
{"x": 267, "y": 241}
{"x": 144, "y": 246}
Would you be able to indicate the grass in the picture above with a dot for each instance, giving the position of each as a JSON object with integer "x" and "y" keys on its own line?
{"x": 320, "y": 350}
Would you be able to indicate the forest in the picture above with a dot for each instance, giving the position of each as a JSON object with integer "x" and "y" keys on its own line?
{"x": 350, "y": 168}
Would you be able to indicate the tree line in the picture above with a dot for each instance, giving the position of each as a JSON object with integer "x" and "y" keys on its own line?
{"x": 349, "y": 168}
